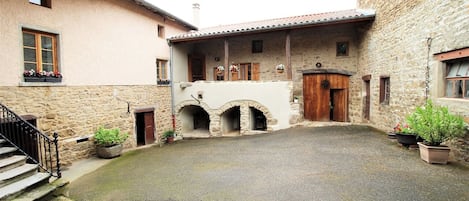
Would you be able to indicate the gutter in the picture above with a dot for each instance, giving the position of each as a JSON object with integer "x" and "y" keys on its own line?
{"x": 171, "y": 70}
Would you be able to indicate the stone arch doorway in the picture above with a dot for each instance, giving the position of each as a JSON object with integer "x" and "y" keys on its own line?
{"x": 195, "y": 120}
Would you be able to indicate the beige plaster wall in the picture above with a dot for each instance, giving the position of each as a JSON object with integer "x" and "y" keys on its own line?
{"x": 274, "y": 96}
{"x": 104, "y": 42}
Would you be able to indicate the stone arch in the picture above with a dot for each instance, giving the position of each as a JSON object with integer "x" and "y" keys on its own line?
{"x": 194, "y": 119}
{"x": 245, "y": 115}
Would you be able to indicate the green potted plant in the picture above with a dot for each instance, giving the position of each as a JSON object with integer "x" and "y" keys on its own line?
{"x": 109, "y": 142}
{"x": 169, "y": 136}
{"x": 435, "y": 124}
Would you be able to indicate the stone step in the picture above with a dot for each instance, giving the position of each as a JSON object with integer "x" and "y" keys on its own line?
{"x": 10, "y": 191}
{"x": 45, "y": 192}
{"x": 17, "y": 173}
{"x": 11, "y": 162}
{"x": 6, "y": 151}
{"x": 2, "y": 142}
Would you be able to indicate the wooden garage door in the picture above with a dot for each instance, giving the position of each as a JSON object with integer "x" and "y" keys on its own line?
{"x": 326, "y": 97}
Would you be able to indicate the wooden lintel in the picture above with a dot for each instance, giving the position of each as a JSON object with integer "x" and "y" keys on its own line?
{"x": 227, "y": 53}
{"x": 455, "y": 54}
{"x": 288, "y": 55}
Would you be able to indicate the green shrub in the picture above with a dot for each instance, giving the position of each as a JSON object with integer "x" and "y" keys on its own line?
{"x": 168, "y": 133}
{"x": 434, "y": 124}
{"x": 108, "y": 137}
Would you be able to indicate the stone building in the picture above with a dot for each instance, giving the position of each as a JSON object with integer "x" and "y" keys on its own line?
{"x": 413, "y": 51}
{"x": 248, "y": 78}
{"x": 113, "y": 56}
{"x": 373, "y": 65}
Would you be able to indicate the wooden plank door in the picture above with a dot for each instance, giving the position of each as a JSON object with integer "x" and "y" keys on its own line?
{"x": 255, "y": 71}
{"x": 316, "y": 98}
{"x": 339, "y": 105}
{"x": 149, "y": 127}
{"x": 325, "y": 97}
{"x": 366, "y": 108}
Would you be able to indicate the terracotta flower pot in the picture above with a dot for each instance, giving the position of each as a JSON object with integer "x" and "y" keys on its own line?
{"x": 434, "y": 154}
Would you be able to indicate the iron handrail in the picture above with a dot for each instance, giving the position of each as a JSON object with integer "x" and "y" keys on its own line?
{"x": 35, "y": 145}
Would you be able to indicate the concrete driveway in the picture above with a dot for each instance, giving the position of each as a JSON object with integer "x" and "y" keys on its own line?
{"x": 324, "y": 163}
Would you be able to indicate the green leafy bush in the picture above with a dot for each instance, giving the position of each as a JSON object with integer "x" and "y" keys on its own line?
{"x": 168, "y": 133}
{"x": 109, "y": 137}
{"x": 434, "y": 124}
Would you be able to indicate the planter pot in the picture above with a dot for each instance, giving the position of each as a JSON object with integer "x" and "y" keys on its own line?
{"x": 434, "y": 154}
{"x": 279, "y": 70}
{"x": 169, "y": 140}
{"x": 391, "y": 135}
{"x": 406, "y": 140}
{"x": 109, "y": 151}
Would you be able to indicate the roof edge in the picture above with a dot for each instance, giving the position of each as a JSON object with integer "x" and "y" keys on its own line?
{"x": 164, "y": 13}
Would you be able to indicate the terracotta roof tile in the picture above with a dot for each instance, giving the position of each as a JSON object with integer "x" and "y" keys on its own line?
{"x": 278, "y": 24}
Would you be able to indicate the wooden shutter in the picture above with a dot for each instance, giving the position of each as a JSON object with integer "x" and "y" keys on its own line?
{"x": 255, "y": 71}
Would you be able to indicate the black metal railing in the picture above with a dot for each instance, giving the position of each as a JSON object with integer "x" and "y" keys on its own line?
{"x": 38, "y": 147}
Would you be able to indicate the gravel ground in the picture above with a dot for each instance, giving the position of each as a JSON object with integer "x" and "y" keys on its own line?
{"x": 324, "y": 163}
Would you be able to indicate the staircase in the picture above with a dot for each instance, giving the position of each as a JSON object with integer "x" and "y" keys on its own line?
{"x": 28, "y": 159}
{"x": 17, "y": 176}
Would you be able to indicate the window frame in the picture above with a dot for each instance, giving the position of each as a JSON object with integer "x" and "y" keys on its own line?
{"x": 384, "y": 90}
{"x": 463, "y": 79}
{"x": 257, "y": 46}
{"x": 161, "y": 31}
{"x": 43, "y": 3}
{"x": 39, "y": 48}
{"x": 338, "y": 49}
{"x": 162, "y": 77}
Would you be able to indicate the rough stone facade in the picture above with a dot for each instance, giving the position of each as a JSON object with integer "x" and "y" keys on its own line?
{"x": 76, "y": 112}
{"x": 401, "y": 44}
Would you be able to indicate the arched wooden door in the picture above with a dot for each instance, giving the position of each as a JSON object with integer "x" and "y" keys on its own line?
{"x": 326, "y": 97}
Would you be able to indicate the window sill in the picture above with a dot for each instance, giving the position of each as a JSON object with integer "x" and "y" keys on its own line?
{"x": 41, "y": 84}
{"x": 454, "y": 99}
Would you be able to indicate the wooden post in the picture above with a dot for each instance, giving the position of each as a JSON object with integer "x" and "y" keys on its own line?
{"x": 227, "y": 52}
{"x": 288, "y": 55}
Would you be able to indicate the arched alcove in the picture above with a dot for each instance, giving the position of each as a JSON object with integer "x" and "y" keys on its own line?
{"x": 194, "y": 119}
{"x": 231, "y": 121}
{"x": 258, "y": 119}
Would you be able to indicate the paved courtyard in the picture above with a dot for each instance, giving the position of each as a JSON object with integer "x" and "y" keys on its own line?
{"x": 323, "y": 163}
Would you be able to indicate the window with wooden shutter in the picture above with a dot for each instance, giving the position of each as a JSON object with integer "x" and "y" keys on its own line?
{"x": 384, "y": 90}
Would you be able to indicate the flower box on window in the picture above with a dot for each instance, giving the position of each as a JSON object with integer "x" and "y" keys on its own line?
{"x": 163, "y": 82}
{"x": 34, "y": 79}
{"x": 53, "y": 79}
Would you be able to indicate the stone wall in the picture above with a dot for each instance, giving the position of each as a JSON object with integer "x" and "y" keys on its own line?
{"x": 401, "y": 44}
{"x": 76, "y": 112}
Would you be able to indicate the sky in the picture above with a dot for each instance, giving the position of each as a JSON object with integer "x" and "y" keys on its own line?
{"x": 222, "y": 12}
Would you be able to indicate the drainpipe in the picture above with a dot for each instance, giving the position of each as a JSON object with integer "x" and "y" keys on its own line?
{"x": 171, "y": 67}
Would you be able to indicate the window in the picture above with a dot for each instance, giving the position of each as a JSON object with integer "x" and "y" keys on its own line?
{"x": 162, "y": 71}
{"x": 45, "y": 3}
{"x": 342, "y": 48}
{"x": 457, "y": 79}
{"x": 40, "y": 51}
{"x": 160, "y": 31}
{"x": 384, "y": 90}
{"x": 257, "y": 46}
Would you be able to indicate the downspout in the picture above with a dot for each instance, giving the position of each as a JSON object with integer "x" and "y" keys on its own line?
{"x": 427, "y": 69}
{"x": 171, "y": 70}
